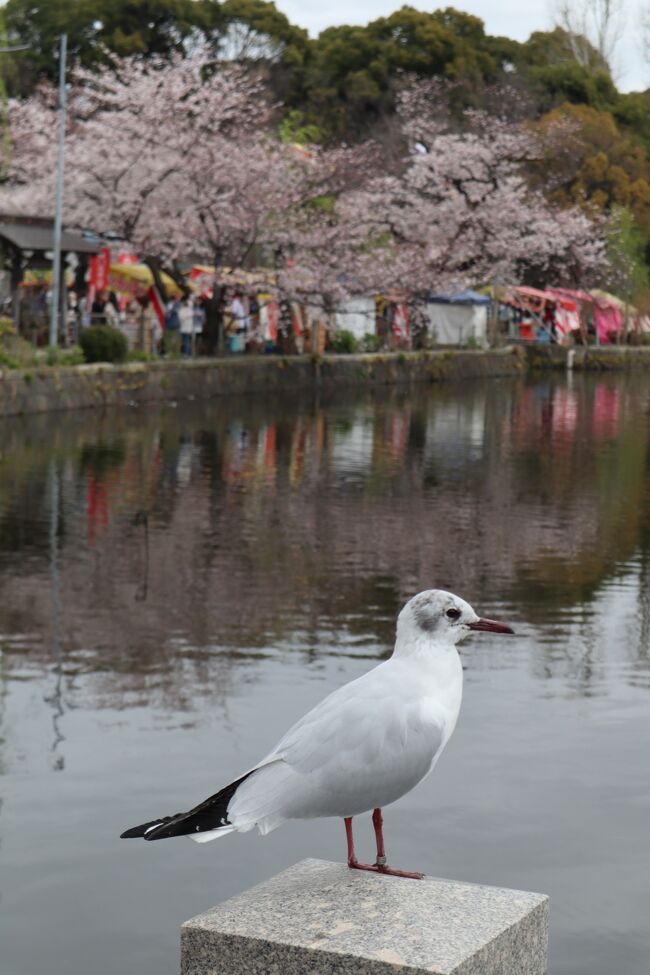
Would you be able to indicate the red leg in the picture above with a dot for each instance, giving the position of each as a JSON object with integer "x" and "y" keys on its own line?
{"x": 378, "y": 823}
{"x": 380, "y": 865}
{"x": 353, "y": 863}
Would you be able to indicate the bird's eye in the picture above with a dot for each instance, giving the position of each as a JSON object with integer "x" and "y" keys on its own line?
{"x": 453, "y": 614}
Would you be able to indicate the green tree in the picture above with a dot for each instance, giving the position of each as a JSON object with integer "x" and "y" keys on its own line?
{"x": 253, "y": 30}
{"x": 94, "y": 27}
{"x": 352, "y": 73}
{"x": 626, "y": 254}
{"x": 593, "y": 162}
{"x": 256, "y": 32}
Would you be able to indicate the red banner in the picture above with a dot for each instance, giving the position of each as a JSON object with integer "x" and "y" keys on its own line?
{"x": 99, "y": 265}
{"x": 157, "y": 305}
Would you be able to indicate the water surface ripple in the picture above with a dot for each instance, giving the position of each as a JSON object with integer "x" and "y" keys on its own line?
{"x": 177, "y": 585}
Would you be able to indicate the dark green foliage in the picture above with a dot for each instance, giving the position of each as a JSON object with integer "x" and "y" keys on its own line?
{"x": 102, "y": 457}
{"x": 344, "y": 342}
{"x": 252, "y": 30}
{"x": 95, "y": 27}
{"x": 103, "y": 343}
{"x": 570, "y": 82}
{"x": 351, "y": 77}
{"x": 338, "y": 85}
{"x": 370, "y": 342}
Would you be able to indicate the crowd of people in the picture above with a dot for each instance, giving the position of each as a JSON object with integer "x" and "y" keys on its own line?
{"x": 184, "y": 321}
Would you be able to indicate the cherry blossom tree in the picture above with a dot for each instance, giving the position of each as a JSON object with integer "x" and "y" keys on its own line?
{"x": 131, "y": 129}
{"x": 462, "y": 211}
{"x": 180, "y": 158}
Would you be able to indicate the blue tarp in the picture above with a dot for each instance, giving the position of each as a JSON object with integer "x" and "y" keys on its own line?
{"x": 467, "y": 297}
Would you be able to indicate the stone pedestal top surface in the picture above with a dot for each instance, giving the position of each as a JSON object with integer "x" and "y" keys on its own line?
{"x": 323, "y": 919}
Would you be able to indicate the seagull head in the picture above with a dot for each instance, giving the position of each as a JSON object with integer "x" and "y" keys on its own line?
{"x": 442, "y": 617}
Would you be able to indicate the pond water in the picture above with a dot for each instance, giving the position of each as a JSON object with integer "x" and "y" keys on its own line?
{"x": 177, "y": 586}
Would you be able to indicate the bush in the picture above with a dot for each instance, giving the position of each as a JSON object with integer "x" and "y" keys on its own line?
{"x": 103, "y": 343}
{"x": 15, "y": 351}
{"x": 344, "y": 342}
{"x": 370, "y": 343}
{"x": 139, "y": 355}
{"x": 7, "y": 327}
{"x": 54, "y": 356}
{"x": 6, "y": 361}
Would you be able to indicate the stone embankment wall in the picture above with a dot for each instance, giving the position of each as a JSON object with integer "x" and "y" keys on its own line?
{"x": 591, "y": 359}
{"x": 79, "y": 387}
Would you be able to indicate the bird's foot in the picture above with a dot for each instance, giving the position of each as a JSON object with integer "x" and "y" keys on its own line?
{"x": 386, "y": 870}
{"x": 392, "y": 872}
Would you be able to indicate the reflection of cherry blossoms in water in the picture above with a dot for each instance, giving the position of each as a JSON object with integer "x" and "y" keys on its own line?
{"x": 231, "y": 529}
{"x": 55, "y": 698}
{"x": 605, "y": 413}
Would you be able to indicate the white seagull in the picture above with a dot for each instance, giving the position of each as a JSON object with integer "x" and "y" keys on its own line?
{"x": 364, "y": 746}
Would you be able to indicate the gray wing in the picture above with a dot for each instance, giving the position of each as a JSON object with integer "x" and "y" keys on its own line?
{"x": 367, "y": 723}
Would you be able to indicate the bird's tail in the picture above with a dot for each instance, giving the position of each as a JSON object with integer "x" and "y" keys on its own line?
{"x": 211, "y": 815}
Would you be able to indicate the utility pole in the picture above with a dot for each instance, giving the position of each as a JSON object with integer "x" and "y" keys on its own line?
{"x": 58, "y": 218}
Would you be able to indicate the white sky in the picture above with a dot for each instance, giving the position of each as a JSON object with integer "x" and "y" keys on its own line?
{"x": 516, "y": 20}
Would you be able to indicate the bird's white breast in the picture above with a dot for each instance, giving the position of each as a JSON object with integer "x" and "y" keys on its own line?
{"x": 442, "y": 691}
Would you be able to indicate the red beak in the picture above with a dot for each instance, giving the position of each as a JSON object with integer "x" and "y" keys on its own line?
{"x": 491, "y": 626}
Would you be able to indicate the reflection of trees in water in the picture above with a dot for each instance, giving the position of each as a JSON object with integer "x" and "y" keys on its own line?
{"x": 642, "y": 655}
{"x": 55, "y": 698}
{"x": 231, "y": 528}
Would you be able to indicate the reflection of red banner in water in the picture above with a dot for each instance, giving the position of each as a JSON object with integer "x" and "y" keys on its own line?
{"x": 604, "y": 417}
{"x": 270, "y": 437}
{"x": 565, "y": 414}
{"x": 96, "y": 508}
{"x": 397, "y": 434}
{"x": 298, "y": 444}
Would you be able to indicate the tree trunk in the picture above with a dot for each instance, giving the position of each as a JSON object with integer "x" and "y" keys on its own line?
{"x": 213, "y": 336}
{"x": 286, "y": 341}
{"x": 155, "y": 267}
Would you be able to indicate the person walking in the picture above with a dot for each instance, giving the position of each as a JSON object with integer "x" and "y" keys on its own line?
{"x": 198, "y": 312}
{"x": 186, "y": 316}
{"x": 240, "y": 323}
{"x": 171, "y": 337}
{"x": 98, "y": 310}
{"x": 148, "y": 323}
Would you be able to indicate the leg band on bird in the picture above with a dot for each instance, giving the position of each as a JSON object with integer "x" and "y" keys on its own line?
{"x": 380, "y": 866}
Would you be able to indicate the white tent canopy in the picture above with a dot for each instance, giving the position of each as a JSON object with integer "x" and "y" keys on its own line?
{"x": 459, "y": 320}
{"x": 356, "y": 315}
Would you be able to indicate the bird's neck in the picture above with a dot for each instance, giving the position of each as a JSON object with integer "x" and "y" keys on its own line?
{"x": 434, "y": 660}
{"x": 422, "y": 647}
{"x": 436, "y": 672}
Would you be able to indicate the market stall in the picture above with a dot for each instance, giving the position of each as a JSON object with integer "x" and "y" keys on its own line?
{"x": 458, "y": 318}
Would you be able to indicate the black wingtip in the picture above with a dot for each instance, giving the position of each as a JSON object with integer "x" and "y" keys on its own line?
{"x": 139, "y": 832}
{"x": 208, "y": 815}
{"x": 132, "y": 834}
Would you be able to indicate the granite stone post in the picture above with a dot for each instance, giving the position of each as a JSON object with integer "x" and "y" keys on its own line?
{"x": 319, "y": 918}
